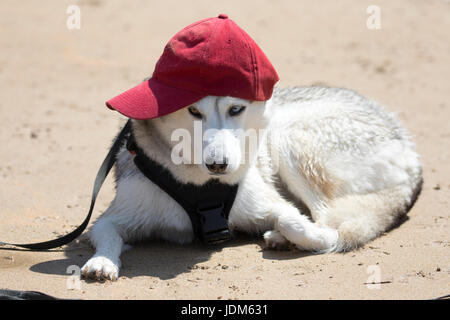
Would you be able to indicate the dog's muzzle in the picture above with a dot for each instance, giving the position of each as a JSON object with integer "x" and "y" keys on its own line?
{"x": 218, "y": 168}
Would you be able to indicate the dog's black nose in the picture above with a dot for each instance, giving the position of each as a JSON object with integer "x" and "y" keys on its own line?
{"x": 217, "y": 167}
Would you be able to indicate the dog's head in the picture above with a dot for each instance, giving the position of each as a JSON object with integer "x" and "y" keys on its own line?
{"x": 220, "y": 135}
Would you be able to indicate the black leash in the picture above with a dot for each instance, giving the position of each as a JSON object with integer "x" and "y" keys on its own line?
{"x": 24, "y": 295}
{"x": 105, "y": 168}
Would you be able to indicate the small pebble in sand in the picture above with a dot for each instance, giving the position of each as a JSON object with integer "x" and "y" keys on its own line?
{"x": 421, "y": 273}
{"x": 437, "y": 187}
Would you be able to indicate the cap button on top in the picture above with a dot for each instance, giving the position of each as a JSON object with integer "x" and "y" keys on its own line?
{"x": 223, "y": 16}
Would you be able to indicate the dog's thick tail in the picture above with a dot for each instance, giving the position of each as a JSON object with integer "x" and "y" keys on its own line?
{"x": 361, "y": 218}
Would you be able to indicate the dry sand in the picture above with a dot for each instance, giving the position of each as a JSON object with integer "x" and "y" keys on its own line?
{"x": 55, "y": 131}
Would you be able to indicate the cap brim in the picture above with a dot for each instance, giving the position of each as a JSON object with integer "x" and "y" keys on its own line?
{"x": 152, "y": 99}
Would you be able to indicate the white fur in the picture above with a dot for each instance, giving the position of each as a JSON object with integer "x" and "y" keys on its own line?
{"x": 343, "y": 156}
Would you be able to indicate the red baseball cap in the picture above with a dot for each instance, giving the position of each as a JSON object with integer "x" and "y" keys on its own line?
{"x": 213, "y": 56}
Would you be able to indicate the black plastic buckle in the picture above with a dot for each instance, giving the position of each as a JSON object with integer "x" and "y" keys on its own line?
{"x": 213, "y": 225}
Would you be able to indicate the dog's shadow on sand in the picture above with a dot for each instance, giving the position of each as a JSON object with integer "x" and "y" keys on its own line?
{"x": 158, "y": 259}
{"x": 162, "y": 259}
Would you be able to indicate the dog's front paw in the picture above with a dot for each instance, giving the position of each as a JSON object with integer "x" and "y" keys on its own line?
{"x": 275, "y": 240}
{"x": 100, "y": 268}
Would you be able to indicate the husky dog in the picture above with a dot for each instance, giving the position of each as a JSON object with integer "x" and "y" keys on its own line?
{"x": 333, "y": 171}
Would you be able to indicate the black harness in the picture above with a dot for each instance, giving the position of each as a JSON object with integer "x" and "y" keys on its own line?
{"x": 208, "y": 205}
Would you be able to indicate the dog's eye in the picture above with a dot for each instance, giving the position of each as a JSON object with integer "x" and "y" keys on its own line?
{"x": 195, "y": 113}
{"x": 235, "y": 110}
